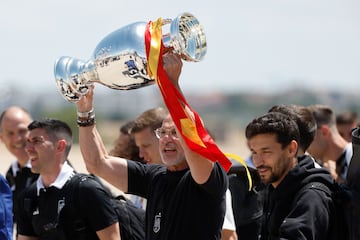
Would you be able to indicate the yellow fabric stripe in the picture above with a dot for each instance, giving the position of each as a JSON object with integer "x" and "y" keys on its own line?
{"x": 189, "y": 130}
{"x": 155, "y": 47}
{"x": 242, "y": 162}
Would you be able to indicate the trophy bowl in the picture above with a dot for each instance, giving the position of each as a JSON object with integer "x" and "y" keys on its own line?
{"x": 119, "y": 60}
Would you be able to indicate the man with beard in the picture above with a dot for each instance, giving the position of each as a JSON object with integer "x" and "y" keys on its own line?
{"x": 295, "y": 207}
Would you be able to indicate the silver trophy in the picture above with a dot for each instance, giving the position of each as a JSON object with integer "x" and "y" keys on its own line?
{"x": 119, "y": 60}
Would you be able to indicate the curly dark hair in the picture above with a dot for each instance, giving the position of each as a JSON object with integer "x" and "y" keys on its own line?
{"x": 276, "y": 123}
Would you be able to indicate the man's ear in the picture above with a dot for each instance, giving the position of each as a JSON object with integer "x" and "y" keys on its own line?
{"x": 61, "y": 145}
{"x": 324, "y": 129}
{"x": 293, "y": 148}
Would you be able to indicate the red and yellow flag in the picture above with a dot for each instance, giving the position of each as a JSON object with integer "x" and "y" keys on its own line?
{"x": 191, "y": 127}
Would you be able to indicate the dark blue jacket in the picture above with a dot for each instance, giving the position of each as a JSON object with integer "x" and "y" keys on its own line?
{"x": 6, "y": 216}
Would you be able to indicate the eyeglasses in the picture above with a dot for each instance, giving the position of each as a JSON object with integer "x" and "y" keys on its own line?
{"x": 161, "y": 132}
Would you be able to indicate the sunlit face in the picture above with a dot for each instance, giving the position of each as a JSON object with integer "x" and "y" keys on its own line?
{"x": 13, "y": 133}
{"x": 271, "y": 160}
{"x": 41, "y": 151}
{"x": 172, "y": 153}
{"x": 148, "y": 146}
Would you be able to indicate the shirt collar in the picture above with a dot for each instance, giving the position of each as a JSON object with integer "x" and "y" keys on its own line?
{"x": 348, "y": 153}
{"x": 15, "y": 167}
{"x": 65, "y": 173}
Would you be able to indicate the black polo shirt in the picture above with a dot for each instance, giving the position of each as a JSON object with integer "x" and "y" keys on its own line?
{"x": 66, "y": 213}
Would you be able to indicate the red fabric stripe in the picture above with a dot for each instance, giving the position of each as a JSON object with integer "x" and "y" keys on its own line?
{"x": 175, "y": 103}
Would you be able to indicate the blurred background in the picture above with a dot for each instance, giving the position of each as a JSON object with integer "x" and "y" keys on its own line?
{"x": 260, "y": 53}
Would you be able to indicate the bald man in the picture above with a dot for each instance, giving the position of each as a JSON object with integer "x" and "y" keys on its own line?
{"x": 13, "y": 131}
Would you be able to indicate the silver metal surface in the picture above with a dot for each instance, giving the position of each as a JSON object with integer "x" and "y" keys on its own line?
{"x": 119, "y": 60}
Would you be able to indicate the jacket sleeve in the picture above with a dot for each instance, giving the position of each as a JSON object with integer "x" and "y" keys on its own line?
{"x": 309, "y": 217}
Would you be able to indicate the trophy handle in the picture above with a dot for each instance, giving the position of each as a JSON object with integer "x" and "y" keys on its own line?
{"x": 73, "y": 77}
{"x": 185, "y": 36}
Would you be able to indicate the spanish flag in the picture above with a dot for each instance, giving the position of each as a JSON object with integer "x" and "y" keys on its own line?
{"x": 191, "y": 127}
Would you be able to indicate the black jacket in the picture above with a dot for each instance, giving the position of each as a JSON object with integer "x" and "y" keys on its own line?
{"x": 23, "y": 179}
{"x": 305, "y": 216}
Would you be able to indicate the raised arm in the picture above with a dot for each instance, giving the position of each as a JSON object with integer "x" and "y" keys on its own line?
{"x": 200, "y": 167}
{"x": 97, "y": 160}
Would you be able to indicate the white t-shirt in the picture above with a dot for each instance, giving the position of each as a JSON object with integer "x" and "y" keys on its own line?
{"x": 229, "y": 221}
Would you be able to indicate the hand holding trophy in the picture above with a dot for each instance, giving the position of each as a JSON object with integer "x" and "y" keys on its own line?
{"x": 119, "y": 61}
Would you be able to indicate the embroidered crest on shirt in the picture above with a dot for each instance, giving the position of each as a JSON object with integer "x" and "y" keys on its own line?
{"x": 157, "y": 220}
{"x": 61, "y": 204}
{"x": 36, "y": 212}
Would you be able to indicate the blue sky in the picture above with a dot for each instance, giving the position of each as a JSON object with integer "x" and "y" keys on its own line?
{"x": 253, "y": 45}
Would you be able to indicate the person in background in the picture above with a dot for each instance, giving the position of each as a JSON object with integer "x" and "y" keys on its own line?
{"x": 143, "y": 131}
{"x": 13, "y": 130}
{"x": 229, "y": 230}
{"x": 328, "y": 147}
{"x": 49, "y": 209}
{"x": 186, "y": 195}
{"x": 125, "y": 146}
{"x": 273, "y": 140}
{"x": 346, "y": 122}
{"x": 304, "y": 120}
{"x": 246, "y": 204}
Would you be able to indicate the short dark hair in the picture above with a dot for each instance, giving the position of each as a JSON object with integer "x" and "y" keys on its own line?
{"x": 347, "y": 117}
{"x": 276, "y": 123}
{"x": 56, "y": 129}
{"x": 323, "y": 115}
{"x": 303, "y": 118}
